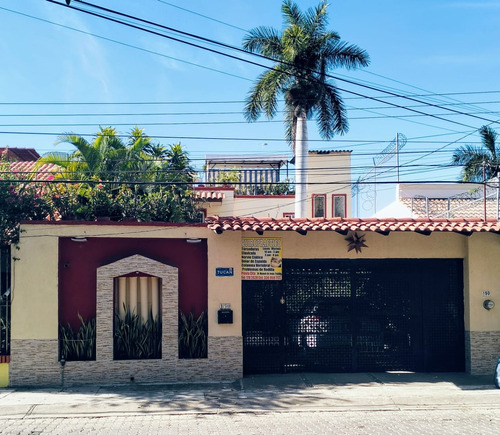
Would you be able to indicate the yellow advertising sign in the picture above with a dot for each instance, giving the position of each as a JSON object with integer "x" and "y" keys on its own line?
{"x": 261, "y": 259}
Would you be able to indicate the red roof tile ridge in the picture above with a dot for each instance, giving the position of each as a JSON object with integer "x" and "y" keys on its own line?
{"x": 266, "y": 219}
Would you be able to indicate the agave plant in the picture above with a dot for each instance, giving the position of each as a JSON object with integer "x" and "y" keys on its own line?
{"x": 134, "y": 339}
{"x": 192, "y": 336}
{"x": 79, "y": 345}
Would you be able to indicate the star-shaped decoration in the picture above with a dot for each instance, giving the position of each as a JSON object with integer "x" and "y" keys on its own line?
{"x": 356, "y": 242}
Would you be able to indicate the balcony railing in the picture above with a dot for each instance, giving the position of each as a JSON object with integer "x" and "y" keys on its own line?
{"x": 251, "y": 181}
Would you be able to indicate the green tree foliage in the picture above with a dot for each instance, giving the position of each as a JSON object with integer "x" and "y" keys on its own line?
{"x": 106, "y": 158}
{"x": 20, "y": 199}
{"x": 304, "y": 52}
{"x": 108, "y": 167}
{"x": 474, "y": 158}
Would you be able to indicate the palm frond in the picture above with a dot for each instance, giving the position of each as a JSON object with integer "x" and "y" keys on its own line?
{"x": 332, "y": 115}
{"x": 489, "y": 137}
{"x": 292, "y": 15}
{"x": 265, "y": 41}
{"x": 89, "y": 154}
{"x": 472, "y": 159}
{"x": 341, "y": 54}
{"x": 263, "y": 98}
{"x": 315, "y": 19}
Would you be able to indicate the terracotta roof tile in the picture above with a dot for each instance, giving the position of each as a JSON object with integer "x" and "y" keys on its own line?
{"x": 209, "y": 195}
{"x": 27, "y": 169}
{"x": 464, "y": 226}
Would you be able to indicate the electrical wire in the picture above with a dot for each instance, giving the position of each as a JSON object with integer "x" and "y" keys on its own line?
{"x": 125, "y": 45}
{"x": 213, "y": 113}
{"x": 255, "y": 63}
{"x": 203, "y": 16}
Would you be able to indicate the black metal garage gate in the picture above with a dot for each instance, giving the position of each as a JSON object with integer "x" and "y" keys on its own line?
{"x": 356, "y": 315}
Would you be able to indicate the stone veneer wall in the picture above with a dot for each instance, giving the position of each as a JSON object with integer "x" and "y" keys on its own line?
{"x": 482, "y": 350}
{"x": 35, "y": 362}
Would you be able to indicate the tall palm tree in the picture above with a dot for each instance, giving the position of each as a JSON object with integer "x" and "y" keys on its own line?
{"x": 304, "y": 53}
{"x": 474, "y": 159}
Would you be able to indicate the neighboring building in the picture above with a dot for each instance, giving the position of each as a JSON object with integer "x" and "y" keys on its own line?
{"x": 280, "y": 295}
{"x": 20, "y": 154}
{"x": 245, "y": 186}
{"x": 23, "y": 161}
{"x": 444, "y": 201}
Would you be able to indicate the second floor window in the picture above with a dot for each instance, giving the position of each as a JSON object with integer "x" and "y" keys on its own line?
{"x": 339, "y": 206}
{"x": 319, "y": 206}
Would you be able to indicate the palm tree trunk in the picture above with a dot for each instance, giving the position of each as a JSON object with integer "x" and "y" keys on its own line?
{"x": 301, "y": 152}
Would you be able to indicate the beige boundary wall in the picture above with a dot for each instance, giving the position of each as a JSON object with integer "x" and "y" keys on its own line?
{"x": 35, "y": 313}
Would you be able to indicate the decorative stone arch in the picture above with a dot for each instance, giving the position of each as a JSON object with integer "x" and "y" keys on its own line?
{"x": 105, "y": 305}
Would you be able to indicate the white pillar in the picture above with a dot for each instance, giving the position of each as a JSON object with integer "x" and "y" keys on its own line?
{"x": 301, "y": 152}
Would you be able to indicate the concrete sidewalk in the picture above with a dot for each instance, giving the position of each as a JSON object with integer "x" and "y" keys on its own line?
{"x": 259, "y": 394}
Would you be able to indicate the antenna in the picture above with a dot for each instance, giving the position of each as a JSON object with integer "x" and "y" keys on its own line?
{"x": 368, "y": 192}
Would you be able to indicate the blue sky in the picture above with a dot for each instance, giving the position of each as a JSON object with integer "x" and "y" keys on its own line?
{"x": 424, "y": 47}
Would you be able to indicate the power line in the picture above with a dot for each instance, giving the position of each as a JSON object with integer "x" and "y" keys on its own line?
{"x": 360, "y": 142}
{"x": 125, "y": 45}
{"x": 203, "y": 16}
{"x": 213, "y": 113}
{"x": 228, "y": 46}
{"x": 240, "y": 113}
{"x": 132, "y": 103}
{"x": 217, "y": 183}
{"x": 258, "y": 55}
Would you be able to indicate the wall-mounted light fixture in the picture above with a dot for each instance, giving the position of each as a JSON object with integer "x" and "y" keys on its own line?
{"x": 488, "y": 304}
{"x": 193, "y": 240}
{"x": 78, "y": 239}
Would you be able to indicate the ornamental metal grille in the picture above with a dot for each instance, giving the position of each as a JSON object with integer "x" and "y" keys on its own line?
{"x": 356, "y": 315}
{"x": 5, "y": 301}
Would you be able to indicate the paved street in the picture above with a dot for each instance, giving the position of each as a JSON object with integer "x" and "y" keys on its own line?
{"x": 472, "y": 421}
{"x": 302, "y": 403}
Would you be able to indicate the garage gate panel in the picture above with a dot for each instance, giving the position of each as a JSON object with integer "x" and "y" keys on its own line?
{"x": 356, "y": 315}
